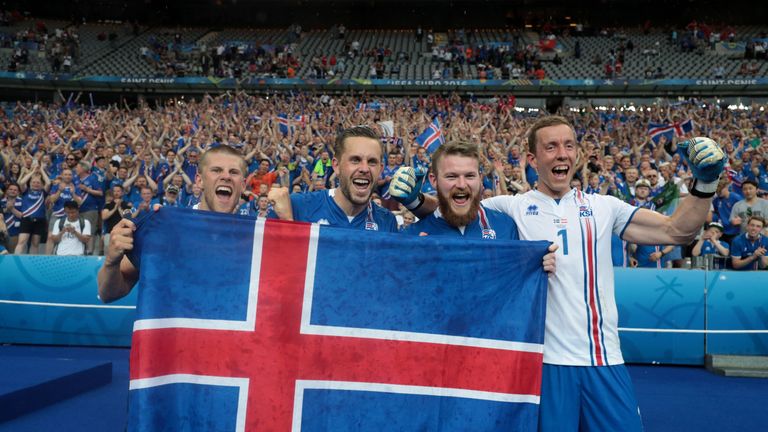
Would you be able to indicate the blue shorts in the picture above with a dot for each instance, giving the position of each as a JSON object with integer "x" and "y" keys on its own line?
{"x": 588, "y": 398}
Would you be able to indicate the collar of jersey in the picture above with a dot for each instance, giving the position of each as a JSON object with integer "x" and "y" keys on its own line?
{"x": 543, "y": 196}
{"x": 340, "y": 213}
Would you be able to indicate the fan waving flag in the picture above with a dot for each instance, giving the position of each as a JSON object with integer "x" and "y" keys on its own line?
{"x": 282, "y": 123}
{"x": 432, "y": 137}
{"x": 285, "y": 326}
{"x": 658, "y": 130}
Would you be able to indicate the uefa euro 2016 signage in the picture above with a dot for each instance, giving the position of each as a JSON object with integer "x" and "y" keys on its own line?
{"x": 257, "y": 82}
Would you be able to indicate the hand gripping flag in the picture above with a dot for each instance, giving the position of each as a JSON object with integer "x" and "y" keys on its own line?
{"x": 248, "y": 325}
{"x": 432, "y": 137}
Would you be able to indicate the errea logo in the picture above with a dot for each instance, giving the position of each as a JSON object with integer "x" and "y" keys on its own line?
{"x": 532, "y": 210}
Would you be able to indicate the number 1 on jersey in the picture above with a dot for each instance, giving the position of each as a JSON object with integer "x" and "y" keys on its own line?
{"x": 563, "y": 233}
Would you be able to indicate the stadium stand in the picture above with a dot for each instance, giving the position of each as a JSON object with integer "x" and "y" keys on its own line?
{"x": 121, "y": 103}
{"x": 113, "y": 49}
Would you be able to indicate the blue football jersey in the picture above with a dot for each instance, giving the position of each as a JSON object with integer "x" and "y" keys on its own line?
{"x": 320, "y": 207}
{"x": 489, "y": 225}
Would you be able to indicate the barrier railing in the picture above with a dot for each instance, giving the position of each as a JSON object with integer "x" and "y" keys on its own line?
{"x": 670, "y": 316}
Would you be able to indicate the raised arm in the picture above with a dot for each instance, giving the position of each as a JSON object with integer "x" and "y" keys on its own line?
{"x": 707, "y": 161}
{"x": 117, "y": 275}
{"x": 281, "y": 202}
{"x": 405, "y": 187}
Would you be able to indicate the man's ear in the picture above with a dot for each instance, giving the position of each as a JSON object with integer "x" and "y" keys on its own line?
{"x": 532, "y": 160}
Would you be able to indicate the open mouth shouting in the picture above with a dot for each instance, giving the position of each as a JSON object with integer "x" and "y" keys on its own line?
{"x": 560, "y": 172}
{"x": 461, "y": 198}
{"x": 224, "y": 193}
{"x": 362, "y": 184}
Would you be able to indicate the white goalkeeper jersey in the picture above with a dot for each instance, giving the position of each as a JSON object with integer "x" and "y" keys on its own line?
{"x": 581, "y": 323}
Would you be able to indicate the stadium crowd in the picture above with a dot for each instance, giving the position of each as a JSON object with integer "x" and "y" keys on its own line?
{"x": 517, "y": 53}
{"x": 61, "y": 45}
{"x": 69, "y": 172}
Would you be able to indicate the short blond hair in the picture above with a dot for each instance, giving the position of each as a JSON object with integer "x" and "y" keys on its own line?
{"x": 223, "y": 149}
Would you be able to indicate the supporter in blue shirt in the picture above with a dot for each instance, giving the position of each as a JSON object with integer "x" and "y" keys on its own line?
{"x": 709, "y": 242}
{"x": 119, "y": 176}
{"x": 34, "y": 187}
{"x": 386, "y": 176}
{"x": 91, "y": 192}
{"x": 190, "y": 163}
{"x": 10, "y": 208}
{"x": 144, "y": 204}
{"x": 652, "y": 256}
{"x": 259, "y": 208}
{"x": 723, "y": 204}
{"x": 170, "y": 198}
{"x": 619, "y": 255}
{"x": 357, "y": 162}
{"x": 89, "y": 188}
{"x": 756, "y": 171}
{"x": 456, "y": 178}
{"x": 99, "y": 170}
{"x": 193, "y": 198}
{"x": 648, "y": 256}
{"x": 62, "y": 191}
{"x": 421, "y": 159}
{"x": 133, "y": 188}
{"x": 748, "y": 251}
{"x": 514, "y": 155}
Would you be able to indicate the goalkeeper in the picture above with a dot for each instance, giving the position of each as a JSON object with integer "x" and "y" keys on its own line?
{"x": 585, "y": 385}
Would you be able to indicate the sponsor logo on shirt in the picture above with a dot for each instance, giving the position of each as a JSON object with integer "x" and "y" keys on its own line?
{"x": 532, "y": 210}
{"x": 585, "y": 211}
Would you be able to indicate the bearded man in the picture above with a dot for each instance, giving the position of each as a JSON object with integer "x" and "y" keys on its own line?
{"x": 455, "y": 175}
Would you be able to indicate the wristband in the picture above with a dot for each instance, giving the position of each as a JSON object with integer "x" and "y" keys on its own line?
{"x": 418, "y": 202}
{"x": 702, "y": 189}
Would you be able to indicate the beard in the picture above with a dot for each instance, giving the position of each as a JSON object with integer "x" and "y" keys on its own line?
{"x": 453, "y": 218}
{"x": 345, "y": 185}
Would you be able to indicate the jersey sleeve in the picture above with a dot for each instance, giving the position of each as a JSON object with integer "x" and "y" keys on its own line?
{"x": 623, "y": 213}
{"x": 391, "y": 223}
{"x": 514, "y": 234}
{"x": 385, "y": 219}
{"x": 86, "y": 227}
{"x": 298, "y": 205}
{"x": 502, "y": 203}
{"x": 503, "y": 224}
